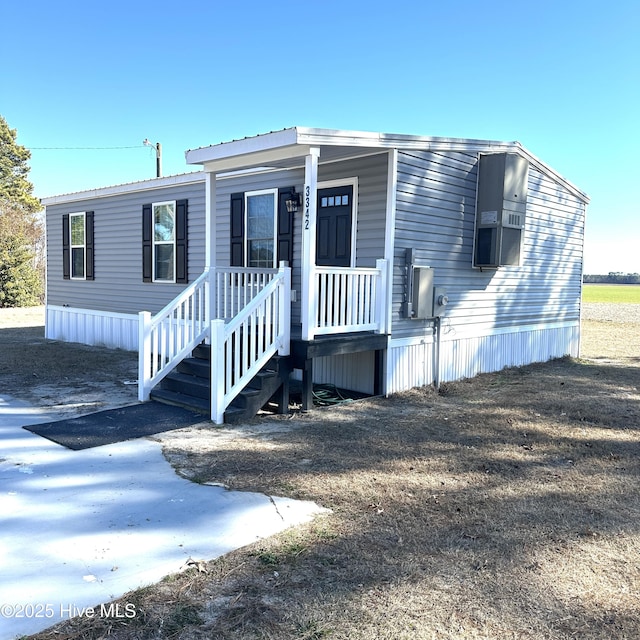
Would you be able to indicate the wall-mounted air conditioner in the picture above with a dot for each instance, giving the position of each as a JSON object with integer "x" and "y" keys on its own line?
{"x": 501, "y": 207}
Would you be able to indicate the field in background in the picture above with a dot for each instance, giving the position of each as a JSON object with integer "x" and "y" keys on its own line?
{"x": 611, "y": 293}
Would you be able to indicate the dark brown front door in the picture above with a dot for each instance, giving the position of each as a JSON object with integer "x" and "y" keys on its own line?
{"x": 334, "y": 219}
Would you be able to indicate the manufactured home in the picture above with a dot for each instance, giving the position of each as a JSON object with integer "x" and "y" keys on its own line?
{"x": 372, "y": 262}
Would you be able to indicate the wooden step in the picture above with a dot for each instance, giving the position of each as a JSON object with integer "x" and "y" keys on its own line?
{"x": 202, "y": 352}
{"x": 262, "y": 379}
{"x": 189, "y": 386}
{"x": 195, "y": 367}
{"x": 199, "y": 405}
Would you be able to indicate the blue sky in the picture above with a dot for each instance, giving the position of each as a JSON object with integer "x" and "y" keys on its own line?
{"x": 563, "y": 78}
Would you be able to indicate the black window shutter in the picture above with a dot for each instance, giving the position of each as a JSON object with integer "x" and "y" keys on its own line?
{"x": 147, "y": 248}
{"x": 66, "y": 248}
{"x": 285, "y": 228}
{"x": 89, "y": 256}
{"x": 182, "y": 271}
{"x": 237, "y": 230}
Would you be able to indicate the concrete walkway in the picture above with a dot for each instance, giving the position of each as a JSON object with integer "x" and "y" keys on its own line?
{"x": 81, "y": 528}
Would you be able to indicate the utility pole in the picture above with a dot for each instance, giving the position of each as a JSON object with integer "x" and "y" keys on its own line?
{"x": 158, "y": 148}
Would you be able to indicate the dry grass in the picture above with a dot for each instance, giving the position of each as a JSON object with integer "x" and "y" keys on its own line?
{"x": 506, "y": 507}
{"x": 618, "y": 343}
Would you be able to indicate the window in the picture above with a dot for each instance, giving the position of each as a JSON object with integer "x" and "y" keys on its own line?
{"x": 261, "y": 228}
{"x": 164, "y": 241}
{"x": 77, "y": 245}
{"x": 260, "y": 207}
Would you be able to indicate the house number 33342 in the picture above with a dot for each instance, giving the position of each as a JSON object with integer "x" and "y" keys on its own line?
{"x": 307, "y": 199}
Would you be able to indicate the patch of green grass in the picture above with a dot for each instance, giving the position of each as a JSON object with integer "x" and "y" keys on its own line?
{"x": 611, "y": 293}
{"x": 273, "y": 560}
{"x": 268, "y": 559}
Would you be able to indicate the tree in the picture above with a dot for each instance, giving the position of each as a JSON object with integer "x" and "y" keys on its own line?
{"x": 20, "y": 284}
{"x": 21, "y": 230}
{"x": 15, "y": 187}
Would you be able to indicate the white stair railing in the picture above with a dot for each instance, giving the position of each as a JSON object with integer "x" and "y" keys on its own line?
{"x": 241, "y": 347}
{"x": 234, "y": 287}
{"x": 170, "y": 335}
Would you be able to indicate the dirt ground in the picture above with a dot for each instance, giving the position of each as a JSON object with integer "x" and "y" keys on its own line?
{"x": 506, "y": 506}
{"x": 71, "y": 378}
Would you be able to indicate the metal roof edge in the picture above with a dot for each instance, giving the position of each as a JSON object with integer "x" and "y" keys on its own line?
{"x": 243, "y": 146}
{"x": 129, "y": 187}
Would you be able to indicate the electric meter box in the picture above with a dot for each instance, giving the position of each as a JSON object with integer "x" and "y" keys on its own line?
{"x": 422, "y": 298}
{"x": 427, "y": 301}
{"x": 500, "y": 209}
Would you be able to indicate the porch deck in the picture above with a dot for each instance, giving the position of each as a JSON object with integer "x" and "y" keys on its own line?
{"x": 303, "y": 353}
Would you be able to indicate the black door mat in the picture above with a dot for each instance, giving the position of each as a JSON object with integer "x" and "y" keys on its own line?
{"x": 116, "y": 425}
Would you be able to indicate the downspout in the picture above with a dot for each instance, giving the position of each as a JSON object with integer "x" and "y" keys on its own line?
{"x": 436, "y": 365}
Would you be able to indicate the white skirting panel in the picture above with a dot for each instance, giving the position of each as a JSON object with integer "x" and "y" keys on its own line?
{"x": 98, "y": 328}
{"x": 411, "y": 362}
{"x": 352, "y": 371}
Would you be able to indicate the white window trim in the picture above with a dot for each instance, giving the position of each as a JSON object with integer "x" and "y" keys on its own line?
{"x": 154, "y": 243}
{"x": 83, "y": 246}
{"x": 261, "y": 192}
{"x": 343, "y": 182}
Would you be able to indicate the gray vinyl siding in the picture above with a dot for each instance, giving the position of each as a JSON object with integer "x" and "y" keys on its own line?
{"x": 118, "y": 285}
{"x": 435, "y": 215}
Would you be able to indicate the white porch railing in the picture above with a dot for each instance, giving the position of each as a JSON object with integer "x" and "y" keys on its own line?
{"x": 170, "y": 335}
{"x": 350, "y": 299}
{"x": 241, "y": 347}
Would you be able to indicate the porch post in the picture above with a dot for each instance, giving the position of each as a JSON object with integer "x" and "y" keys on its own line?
{"x": 209, "y": 240}
{"x": 308, "y": 286}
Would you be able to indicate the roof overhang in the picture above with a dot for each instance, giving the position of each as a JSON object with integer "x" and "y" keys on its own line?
{"x": 284, "y": 149}
{"x": 287, "y": 148}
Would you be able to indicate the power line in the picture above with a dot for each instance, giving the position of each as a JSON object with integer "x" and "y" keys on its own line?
{"x": 138, "y": 146}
